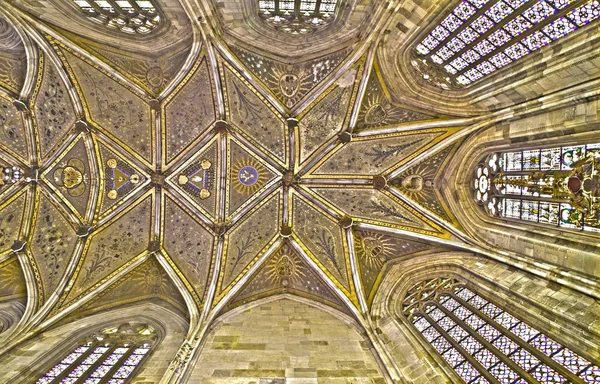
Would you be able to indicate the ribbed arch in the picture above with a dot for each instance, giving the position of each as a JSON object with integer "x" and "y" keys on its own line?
{"x": 484, "y": 343}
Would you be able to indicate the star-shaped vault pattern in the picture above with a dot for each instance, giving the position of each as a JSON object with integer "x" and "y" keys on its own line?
{"x": 227, "y": 181}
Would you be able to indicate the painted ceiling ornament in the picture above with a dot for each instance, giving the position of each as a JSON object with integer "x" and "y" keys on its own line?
{"x": 373, "y": 248}
{"x": 10, "y": 175}
{"x": 248, "y": 176}
{"x": 285, "y": 266}
{"x": 71, "y": 176}
{"x": 119, "y": 179}
{"x": 289, "y": 84}
{"x": 200, "y": 178}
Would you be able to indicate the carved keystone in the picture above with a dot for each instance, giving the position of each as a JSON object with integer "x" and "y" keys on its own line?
{"x": 379, "y": 182}
{"x": 345, "y": 137}
{"x": 153, "y": 246}
{"x": 82, "y": 126}
{"x": 18, "y": 246}
{"x": 31, "y": 175}
{"x": 154, "y": 104}
{"x": 220, "y": 229}
{"x": 21, "y": 105}
{"x": 221, "y": 127}
{"x": 346, "y": 222}
{"x": 286, "y": 231}
{"x": 157, "y": 179}
{"x": 84, "y": 231}
{"x": 292, "y": 123}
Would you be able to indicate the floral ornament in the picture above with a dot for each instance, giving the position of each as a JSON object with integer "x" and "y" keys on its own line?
{"x": 71, "y": 176}
{"x": 10, "y": 175}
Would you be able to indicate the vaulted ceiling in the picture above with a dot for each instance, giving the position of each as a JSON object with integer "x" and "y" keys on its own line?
{"x": 215, "y": 172}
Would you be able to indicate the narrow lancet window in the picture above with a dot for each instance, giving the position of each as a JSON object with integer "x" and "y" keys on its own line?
{"x": 483, "y": 343}
{"x": 129, "y": 16}
{"x": 298, "y": 16}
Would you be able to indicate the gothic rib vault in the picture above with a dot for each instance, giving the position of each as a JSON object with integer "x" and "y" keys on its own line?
{"x": 210, "y": 178}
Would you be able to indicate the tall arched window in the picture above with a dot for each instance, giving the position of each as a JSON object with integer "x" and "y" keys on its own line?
{"x": 479, "y": 37}
{"x": 558, "y": 186}
{"x": 129, "y": 16}
{"x": 484, "y": 343}
{"x": 298, "y": 16}
{"x": 111, "y": 356}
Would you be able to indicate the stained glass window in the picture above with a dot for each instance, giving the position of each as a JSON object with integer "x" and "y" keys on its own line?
{"x": 485, "y": 344}
{"x": 479, "y": 37}
{"x": 298, "y": 16}
{"x": 129, "y": 16}
{"x": 559, "y": 186}
{"x": 110, "y": 357}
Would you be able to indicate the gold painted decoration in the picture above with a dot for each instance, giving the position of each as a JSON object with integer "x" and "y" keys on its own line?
{"x": 12, "y": 130}
{"x": 11, "y": 217}
{"x": 12, "y": 281}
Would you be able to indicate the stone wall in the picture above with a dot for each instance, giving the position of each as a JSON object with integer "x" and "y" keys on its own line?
{"x": 288, "y": 340}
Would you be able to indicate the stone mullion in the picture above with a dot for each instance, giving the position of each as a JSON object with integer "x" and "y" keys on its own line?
{"x": 489, "y": 346}
{"x": 318, "y": 8}
{"x": 466, "y": 355}
{"x": 573, "y": 378}
{"x": 76, "y": 363}
{"x": 514, "y": 39}
{"x": 527, "y": 197}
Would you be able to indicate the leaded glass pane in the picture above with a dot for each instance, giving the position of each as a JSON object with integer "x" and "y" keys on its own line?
{"x": 525, "y": 359}
{"x": 486, "y": 358}
{"x": 458, "y": 333}
{"x": 475, "y": 322}
{"x": 546, "y": 344}
{"x": 503, "y": 373}
{"x": 491, "y": 310}
{"x": 453, "y": 357}
{"x": 489, "y": 333}
{"x": 505, "y": 345}
{"x": 63, "y": 365}
{"x": 506, "y": 320}
{"x": 524, "y": 331}
{"x": 471, "y": 345}
{"x": 545, "y": 374}
{"x": 467, "y": 372}
{"x": 477, "y": 301}
{"x": 570, "y": 360}
{"x": 441, "y": 344}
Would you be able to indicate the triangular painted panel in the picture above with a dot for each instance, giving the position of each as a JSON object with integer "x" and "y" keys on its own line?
{"x": 290, "y": 81}
{"x": 12, "y": 281}
{"x": 121, "y": 178}
{"x": 52, "y": 110}
{"x": 11, "y": 217}
{"x": 13, "y": 138}
{"x": 189, "y": 245}
{"x": 111, "y": 247}
{"x": 70, "y": 177}
{"x": 323, "y": 237}
{"x": 286, "y": 272}
{"x": 189, "y": 111}
{"x": 247, "y": 176}
{"x": 255, "y": 118}
{"x": 197, "y": 179}
{"x": 113, "y": 107}
{"x": 52, "y": 244}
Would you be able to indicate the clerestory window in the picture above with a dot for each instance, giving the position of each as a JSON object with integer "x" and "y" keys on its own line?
{"x": 557, "y": 186}
{"x": 479, "y": 37}
{"x": 112, "y": 356}
{"x": 298, "y": 16}
{"x": 483, "y": 343}
{"x": 129, "y": 16}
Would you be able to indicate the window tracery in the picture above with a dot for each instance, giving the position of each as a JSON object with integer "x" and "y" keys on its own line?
{"x": 112, "y": 357}
{"x": 298, "y": 16}
{"x": 479, "y": 37}
{"x": 558, "y": 186}
{"x": 129, "y": 16}
{"x": 484, "y": 343}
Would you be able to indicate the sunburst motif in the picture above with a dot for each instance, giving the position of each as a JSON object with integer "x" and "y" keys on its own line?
{"x": 151, "y": 277}
{"x": 248, "y": 176}
{"x": 373, "y": 248}
{"x": 285, "y": 266}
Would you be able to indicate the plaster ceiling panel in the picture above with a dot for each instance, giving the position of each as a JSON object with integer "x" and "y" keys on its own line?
{"x": 286, "y": 272}
{"x": 254, "y": 117}
{"x": 327, "y": 116}
{"x": 374, "y": 207}
{"x": 249, "y": 239}
{"x": 189, "y": 111}
{"x": 11, "y": 217}
{"x": 12, "y": 280}
{"x": 70, "y": 177}
{"x": 198, "y": 180}
{"x": 151, "y": 71}
{"x": 375, "y": 155}
{"x": 189, "y": 244}
{"x": 148, "y": 281}
{"x": 420, "y": 184}
{"x": 13, "y": 58}
{"x": 290, "y": 81}
{"x": 121, "y": 179}
{"x": 378, "y": 109}
{"x": 248, "y": 176}
{"x": 112, "y": 246}
{"x": 374, "y": 250}
{"x": 52, "y": 109}
{"x": 13, "y": 135}
{"x": 117, "y": 111}
{"x": 51, "y": 245}
{"x": 323, "y": 238}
